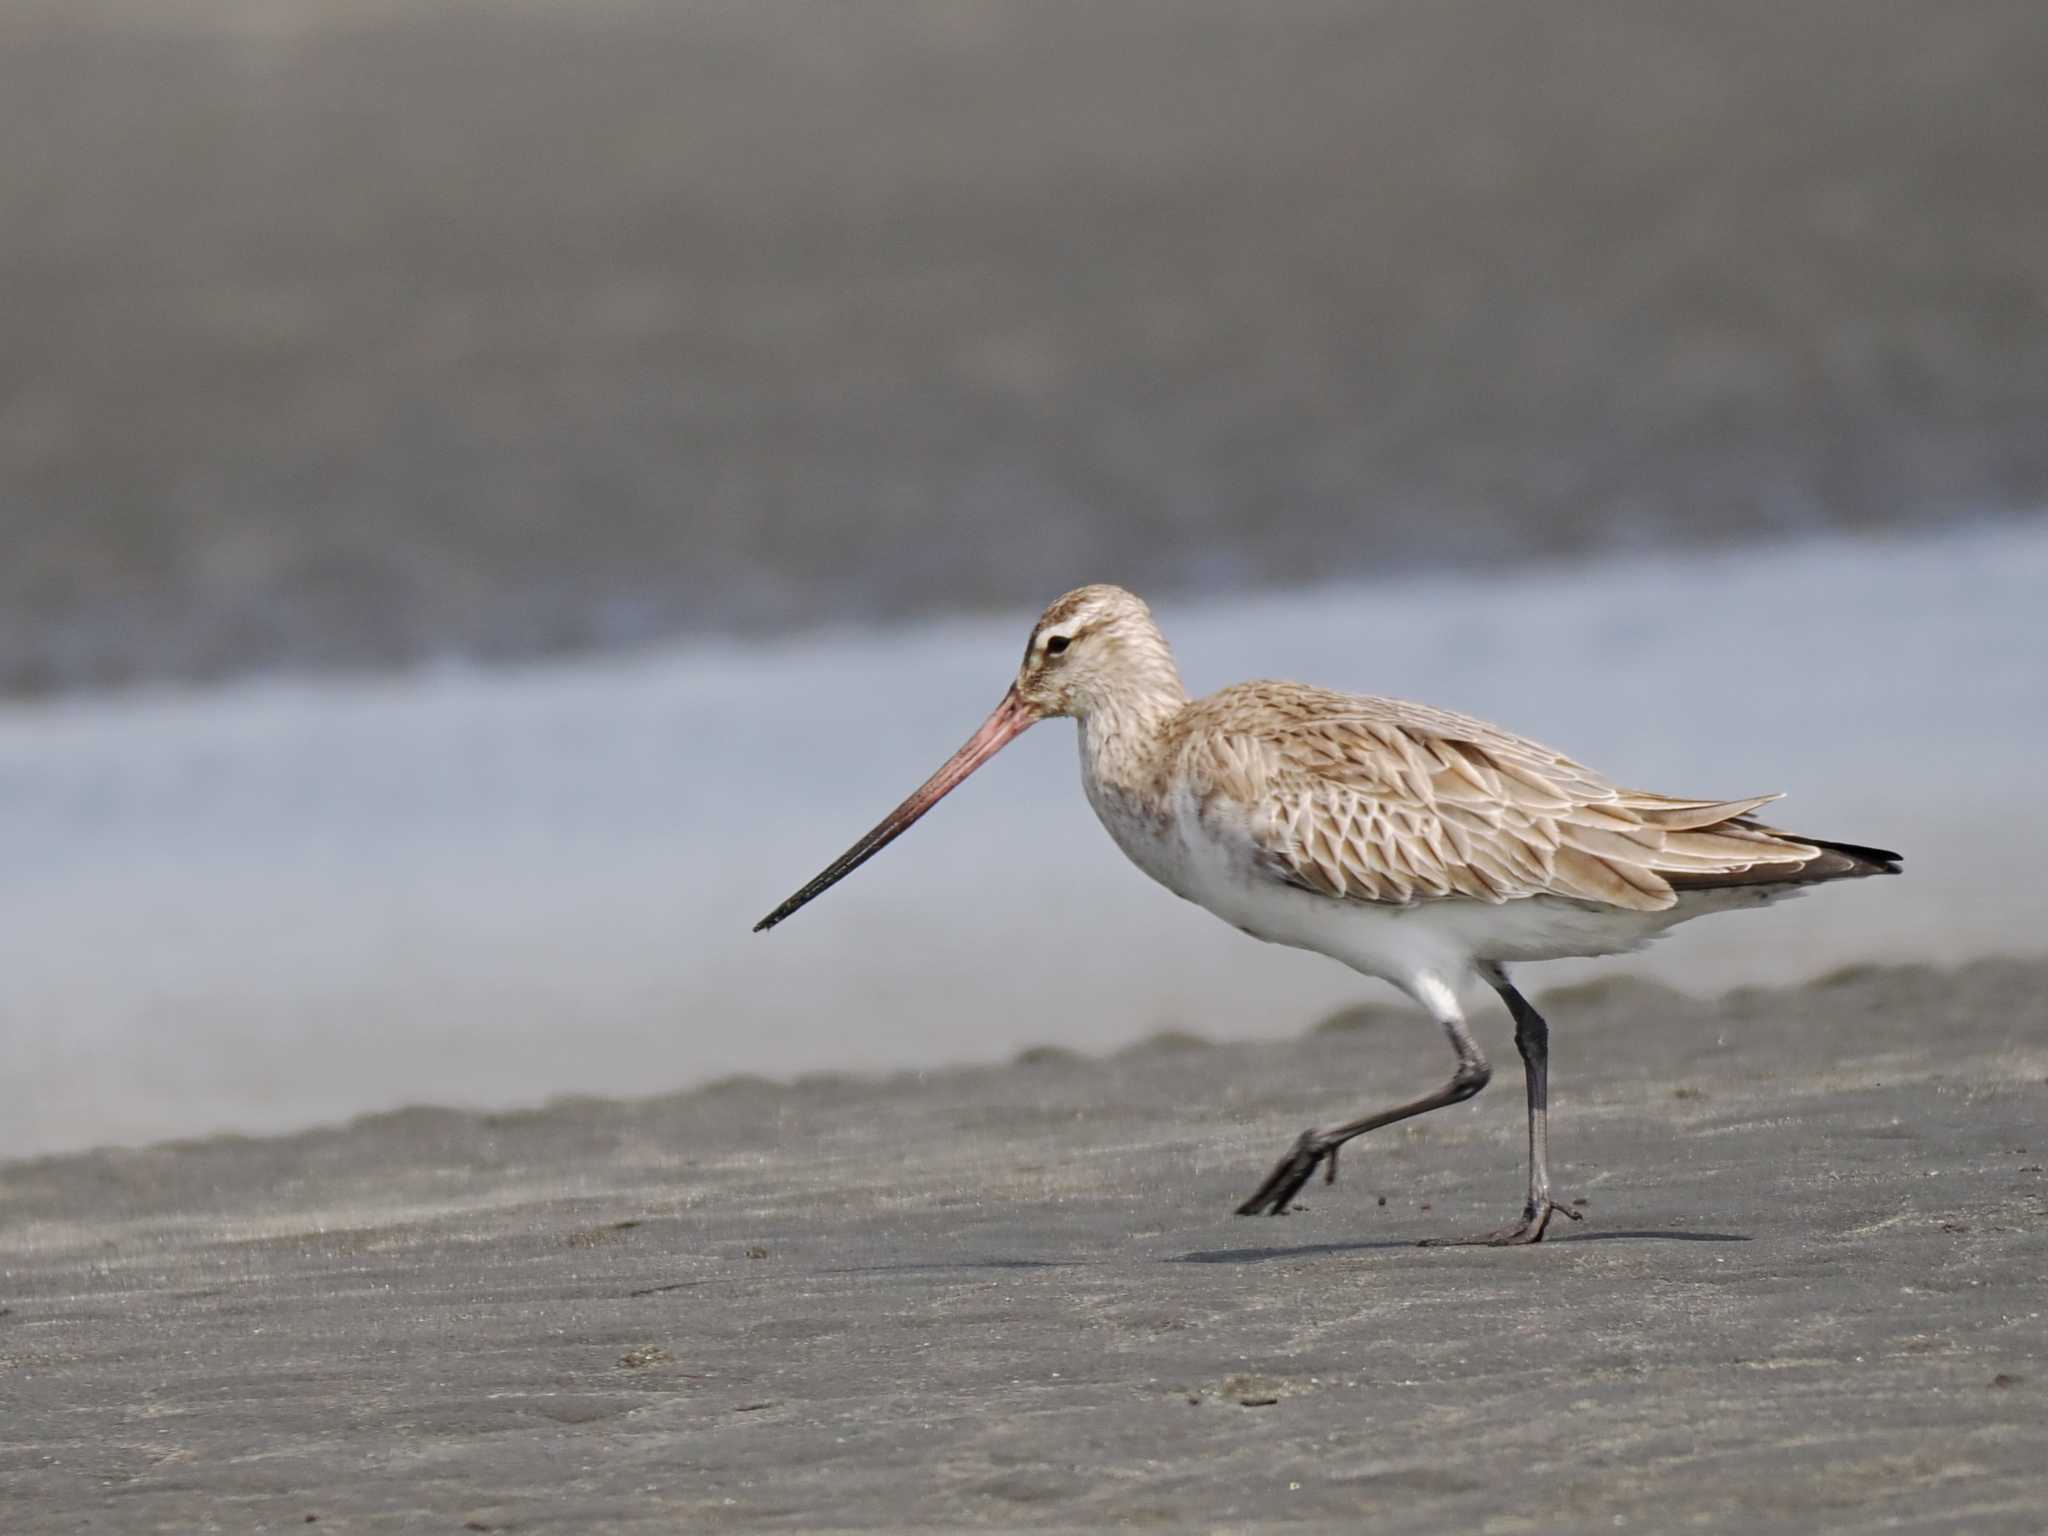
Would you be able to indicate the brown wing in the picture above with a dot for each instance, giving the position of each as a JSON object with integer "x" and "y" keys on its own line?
{"x": 1378, "y": 800}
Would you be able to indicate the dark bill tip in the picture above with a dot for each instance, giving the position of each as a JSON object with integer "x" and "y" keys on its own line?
{"x": 1011, "y": 719}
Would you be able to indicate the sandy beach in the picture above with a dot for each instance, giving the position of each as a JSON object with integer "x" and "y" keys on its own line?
{"x": 1806, "y": 1294}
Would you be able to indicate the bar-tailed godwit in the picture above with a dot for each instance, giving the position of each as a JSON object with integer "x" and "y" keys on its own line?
{"x": 1412, "y": 844}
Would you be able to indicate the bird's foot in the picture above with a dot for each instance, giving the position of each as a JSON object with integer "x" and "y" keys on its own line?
{"x": 1535, "y": 1218}
{"x": 1294, "y": 1170}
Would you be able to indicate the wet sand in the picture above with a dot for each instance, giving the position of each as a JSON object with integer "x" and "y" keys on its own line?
{"x": 1806, "y": 1294}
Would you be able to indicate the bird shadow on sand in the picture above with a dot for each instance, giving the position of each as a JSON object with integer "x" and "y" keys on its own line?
{"x": 1319, "y": 1250}
{"x": 1652, "y": 1237}
{"x": 915, "y": 1265}
{"x": 1304, "y": 1251}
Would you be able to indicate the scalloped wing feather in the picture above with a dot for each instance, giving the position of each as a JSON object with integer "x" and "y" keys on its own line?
{"x": 1379, "y": 800}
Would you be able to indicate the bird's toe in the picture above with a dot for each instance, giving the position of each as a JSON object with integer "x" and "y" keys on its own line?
{"x": 1535, "y": 1220}
{"x": 1290, "y": 1174}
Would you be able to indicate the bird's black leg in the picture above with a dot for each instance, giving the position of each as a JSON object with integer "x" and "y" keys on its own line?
{"x": 1315, "y": 1147}
{"x": 1532, "y": 1039}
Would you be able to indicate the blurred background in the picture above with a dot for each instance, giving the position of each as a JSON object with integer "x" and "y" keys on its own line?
{"x": 493, "y": 495}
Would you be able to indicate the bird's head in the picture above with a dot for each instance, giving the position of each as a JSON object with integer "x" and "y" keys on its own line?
{"x": 1090, "y": 649}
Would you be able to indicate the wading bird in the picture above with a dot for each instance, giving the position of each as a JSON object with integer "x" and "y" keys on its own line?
{"x": 1412, "y": 844}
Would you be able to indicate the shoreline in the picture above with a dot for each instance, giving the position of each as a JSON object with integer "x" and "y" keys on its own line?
{"x": 299, "y": 902}
{"x": 1382, "y": 1011}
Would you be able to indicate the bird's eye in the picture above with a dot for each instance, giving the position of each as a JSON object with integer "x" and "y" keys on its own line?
{"x": 1054, "y": 644}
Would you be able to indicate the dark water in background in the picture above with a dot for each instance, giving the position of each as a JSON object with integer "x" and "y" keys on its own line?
{"x": 351, "y": 334}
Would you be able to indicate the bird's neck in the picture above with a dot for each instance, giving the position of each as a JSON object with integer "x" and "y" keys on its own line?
{"x": 1123, "y": 728}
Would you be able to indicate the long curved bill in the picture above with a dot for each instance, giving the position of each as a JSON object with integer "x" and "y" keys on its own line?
{"x": 1011, "y": 719}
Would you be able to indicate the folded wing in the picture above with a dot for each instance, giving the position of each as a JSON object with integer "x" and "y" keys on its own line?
{"x": 1379, "y": 800}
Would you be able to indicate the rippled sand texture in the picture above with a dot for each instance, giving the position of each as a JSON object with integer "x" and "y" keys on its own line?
{"x": 1805, "y": 1297}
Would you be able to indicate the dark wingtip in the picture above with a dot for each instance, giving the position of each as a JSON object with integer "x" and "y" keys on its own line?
{"x": 1881, "y": 861}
